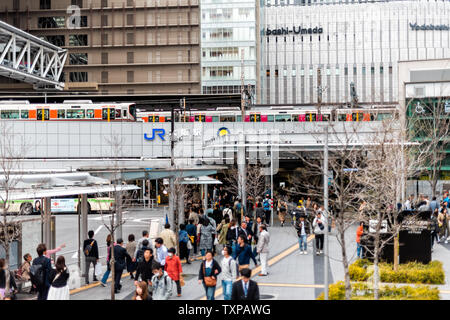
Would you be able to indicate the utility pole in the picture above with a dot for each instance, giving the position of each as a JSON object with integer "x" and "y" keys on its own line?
{"x": 325, "y": 205}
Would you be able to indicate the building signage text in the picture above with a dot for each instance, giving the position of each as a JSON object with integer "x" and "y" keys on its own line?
{"x": 296, "y": 30}
{"x": 416, "y": 27}
{"x": 155, "y": 132}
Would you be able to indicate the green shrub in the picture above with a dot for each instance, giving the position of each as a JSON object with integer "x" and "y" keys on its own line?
{"x": 412, "y": 272}
{"x": 362, "y": 291}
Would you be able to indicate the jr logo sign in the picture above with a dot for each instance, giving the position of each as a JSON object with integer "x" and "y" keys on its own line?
{"x": 156, "y": 132}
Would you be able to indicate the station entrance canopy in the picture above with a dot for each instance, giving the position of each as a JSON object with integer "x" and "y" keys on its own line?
{"x": 27, "y": 58}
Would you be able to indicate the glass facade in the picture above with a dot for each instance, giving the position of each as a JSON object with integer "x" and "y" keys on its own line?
{"x": 228, "y": 35}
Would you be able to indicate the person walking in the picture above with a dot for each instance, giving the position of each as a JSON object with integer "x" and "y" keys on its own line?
{"x": 174, "y": 269}
{"x": 263, "y": 248}
{"x": 161, "y": 283}
{"x": 318, "y": 228}
{"x": 59, "y": 289}
{"x": 108, "y": 266}
{"x": 259, "y": 212}
{"x": 434, "y": 228}
{"x": 161, "y": 251}
{"x": 120, "y": 257}
{"x": 303, "y": 228}
{"x": 245, "y": 289}
{"x": 131, "y": 249}
{"x": 232, "y": 235}
{"x": 169, "y": 237}
{"x": 184, "y": 243}
{"x": 244, "y": 253}
{"x": 145, "y": 236}
{"x": 222, "y": 230}
{"x": 230, "y": 273}
{"x": 12, "y": 282}
{"x": 442, "y": 223}
{"x": 25, "y": 269}
{"x": 207, "y": 232}
{"x": 90, "y": 249}
{"x": 267, "y": 203}
{"x": 41, "y": 267}
{"x": 359, "y": 233}
{"x": 144, "y": 271}
{"x": 209, "y": 270}
{"x": 141, "y": 292}
{"x": 282, "y": 210}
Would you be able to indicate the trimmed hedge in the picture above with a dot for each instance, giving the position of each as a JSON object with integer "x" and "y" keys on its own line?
{"x": 362, "y": 291}
{"x": 413, "y": 272}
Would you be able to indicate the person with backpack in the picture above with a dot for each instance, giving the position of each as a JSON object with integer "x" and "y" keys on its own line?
{"x": 59, "y": 289}
{"x": 229, "y": 272}
{"x": 90, "y": 249}
{"x": 145, "y": 268}
{"x": 40, "y": 271}
{"x": 161, "y": 283}
{"x": 191, "y": 230}
{"x": 319, "y": 232}
{"x": 145, "y": 236}
{"x": 184, "y": 242}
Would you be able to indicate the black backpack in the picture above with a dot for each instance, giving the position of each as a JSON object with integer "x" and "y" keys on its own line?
{"x": 37, "y": 275}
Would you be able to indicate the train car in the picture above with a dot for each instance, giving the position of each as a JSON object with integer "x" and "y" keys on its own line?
{"x": 69, "y": 110}
{"x": 375, "y": 114}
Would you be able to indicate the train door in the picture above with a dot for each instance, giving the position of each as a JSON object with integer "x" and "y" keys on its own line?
{"x": 42, "y": 114}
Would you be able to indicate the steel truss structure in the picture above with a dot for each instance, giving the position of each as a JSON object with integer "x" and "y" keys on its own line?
{"x": 27, "y": 58}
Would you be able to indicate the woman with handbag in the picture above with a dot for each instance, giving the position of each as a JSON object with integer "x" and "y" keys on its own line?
{"x": 209, "y": 270}
{"x": 319, "y": 232}
{"x": 59, "y": 289}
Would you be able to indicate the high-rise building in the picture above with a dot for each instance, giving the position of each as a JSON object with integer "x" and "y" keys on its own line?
{"x": 117, "y": 46}
{"x": 228, "y": 36}
{"x": 349, "y": 41}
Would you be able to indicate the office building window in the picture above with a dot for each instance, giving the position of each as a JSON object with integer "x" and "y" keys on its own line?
{"x": 104, "y": 20}
{"x": 130, "y": 91}
{"x": 104, "y": 57}
{"x": 381, "y": 70}
{"x": 363, "y": 71}
{"x": 78, "y": 77}
{"x": 45, "y": 4}
{"x": 51, "y": 22}
{"x": 390, "y": 69}
{"x": 78, "y": 3}
{"x": 130, "y": 3}
{"x": 104, "y": 39}
{"x": 130, "y": 19}
{"x": 354, "y": 71}
{"x": 104, "y": 76}
{"x": 130, "y": 38}
{"x": 346, "y": 71}
{"x": 337, "y": 71}
{"x": 78, "y": 58}
{"x": 104, "y": 3}
{"x": 130, "y": 76}
{"x": 16, "y": 4}
{"x": 78, "y": 40}
{"x": 268, "y": 73}
{"x": 372, "y": 70}
{"x": 58, "y": 40}
{"x": 276, "y": 73}
{"x": 130, "y": 57}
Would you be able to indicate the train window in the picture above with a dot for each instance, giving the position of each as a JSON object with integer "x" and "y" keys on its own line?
{"x": 168, "y": 119}
{"x": 118, "y": 113}
{"x": 382, "y": 116}
{"x": 282, "y": 117}
{"x": 39, "y": 114}
{"x": 270, "y": 118}
{"x": 10, "y": 114}
{"x": 124, "y": 113}
{"x": 215, "y": 118}
{"x": 227, "y": 118}
{"x": 342, "y": 117}
{"x": 75, "y": 114}
{"x": 325, "y": 117}
{"x": 90, "y": 113}
{"x": 61, "y": 114}
{"x": 105, "y": 113}
{"x": 24, "y": 114}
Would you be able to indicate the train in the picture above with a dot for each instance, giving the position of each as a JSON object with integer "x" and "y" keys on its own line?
{"x": 69, "y": 110}
{"x": 86, "y": 110}
{"x": 272, "y": 114}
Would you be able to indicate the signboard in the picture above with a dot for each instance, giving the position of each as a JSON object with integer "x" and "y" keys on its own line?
{"x": 373, "y": 225}
{"x": 64, "y": 205}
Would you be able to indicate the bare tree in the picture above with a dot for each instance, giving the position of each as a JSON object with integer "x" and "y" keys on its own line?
{"x": 10, "y": 164}
{"x": 429, "y": 124}
{"x": 380, "y": 179}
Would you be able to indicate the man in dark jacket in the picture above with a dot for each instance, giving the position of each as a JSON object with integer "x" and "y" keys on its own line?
{"x": 46, "y": 267}
{"x": 90, "y": 245}
{"x": 246, "y": 232}
{"x": 120, "y": 256}
{"x": 245, "y": 289}
{"x": 140, "y": 254}
{"x": 145, "y": 267}
{"x": 244, "y": 253}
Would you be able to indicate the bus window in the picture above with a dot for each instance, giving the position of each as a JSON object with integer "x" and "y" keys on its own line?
{"x": 90, "y": 113}
{"x": 118, "y": 113}
{"x": 61, "y": 114}
{"x": 39, "y": 114}
{"x": 75, "y": 114}
{"x": 24, "y": 114}
{"x": 105, "y": 113}
{"x": 10, "y": 114}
